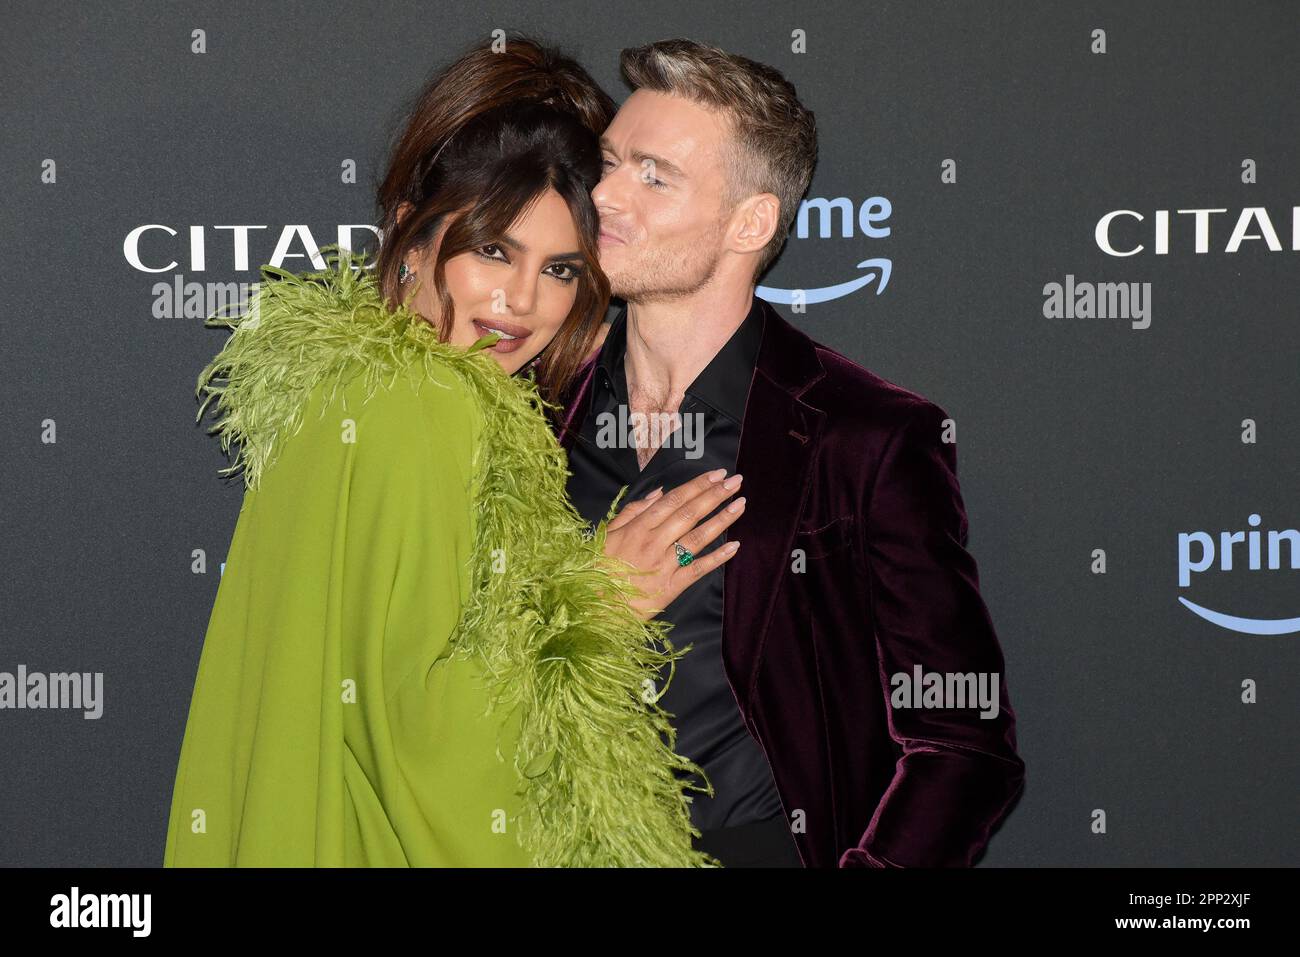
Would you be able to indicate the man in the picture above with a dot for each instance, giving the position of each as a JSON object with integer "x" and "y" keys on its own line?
{"x": 852, "y": 577}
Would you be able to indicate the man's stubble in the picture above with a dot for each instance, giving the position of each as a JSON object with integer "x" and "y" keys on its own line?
{"x": 664, "y": 274}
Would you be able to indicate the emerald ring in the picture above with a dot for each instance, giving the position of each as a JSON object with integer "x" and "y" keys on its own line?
{"x": 684, "y": 556}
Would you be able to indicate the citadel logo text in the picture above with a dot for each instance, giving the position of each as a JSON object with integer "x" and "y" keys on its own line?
{"x": 1203, "y": 543}
{"x": 1194, "y": 233}
{"x": 154, "y": 248}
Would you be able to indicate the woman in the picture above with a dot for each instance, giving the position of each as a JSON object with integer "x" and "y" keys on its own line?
{"x": 418, "y": 655}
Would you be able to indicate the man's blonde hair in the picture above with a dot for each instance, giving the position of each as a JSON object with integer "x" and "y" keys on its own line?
{"x": 774, "y": 137}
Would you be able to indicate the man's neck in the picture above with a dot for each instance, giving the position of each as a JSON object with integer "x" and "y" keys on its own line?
{"x": 670, "y": 343}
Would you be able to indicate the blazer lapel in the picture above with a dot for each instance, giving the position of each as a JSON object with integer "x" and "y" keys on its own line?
{"x": 778, "y": 445}
{"x": 571, "y": 417}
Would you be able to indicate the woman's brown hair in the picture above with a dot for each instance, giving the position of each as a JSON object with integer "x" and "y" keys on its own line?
{"x": 485, "y": 137}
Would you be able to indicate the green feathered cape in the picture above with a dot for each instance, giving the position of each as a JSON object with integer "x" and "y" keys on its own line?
{"x": 417, "y": 654}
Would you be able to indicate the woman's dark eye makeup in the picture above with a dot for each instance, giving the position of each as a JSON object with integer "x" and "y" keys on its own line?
{"x": 574, "y": 271}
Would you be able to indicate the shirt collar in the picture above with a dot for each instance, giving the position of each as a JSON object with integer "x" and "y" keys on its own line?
{"x": 724, "y": 383}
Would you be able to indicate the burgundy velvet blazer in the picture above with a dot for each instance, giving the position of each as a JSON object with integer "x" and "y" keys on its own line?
{"x": 851, "y": 470}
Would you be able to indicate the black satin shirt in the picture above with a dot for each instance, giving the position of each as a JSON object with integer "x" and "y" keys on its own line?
{"x": 602, "y": 460}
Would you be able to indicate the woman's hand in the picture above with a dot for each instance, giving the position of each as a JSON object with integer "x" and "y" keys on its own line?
{"x": 643, "y": 532}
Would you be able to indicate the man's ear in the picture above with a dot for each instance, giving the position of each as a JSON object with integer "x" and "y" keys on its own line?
{"x": 759, "y": 215}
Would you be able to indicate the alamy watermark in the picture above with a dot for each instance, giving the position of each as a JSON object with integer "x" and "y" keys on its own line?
{"x": 641, "y": 430}
{"x": 180, "y": 299}
{"x": 946, "y": 689}
{"x": 38, "y": 690}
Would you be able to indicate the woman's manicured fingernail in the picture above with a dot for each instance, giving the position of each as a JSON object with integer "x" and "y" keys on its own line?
{"x": 717, "y": 475}
{"x": 733, "y": 482}
{"x": 655, "y": 494}
{"x": 730, "y": 547}
{"x": 737, "y": 505}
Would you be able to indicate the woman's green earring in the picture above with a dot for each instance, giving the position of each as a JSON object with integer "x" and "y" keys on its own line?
{"x": 404, "y": 274}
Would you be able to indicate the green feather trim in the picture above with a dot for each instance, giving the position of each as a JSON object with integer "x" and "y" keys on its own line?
{"x": 598, "y": 772}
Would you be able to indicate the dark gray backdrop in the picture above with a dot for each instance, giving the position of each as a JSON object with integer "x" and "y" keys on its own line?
{"x": 1073, "y": 434}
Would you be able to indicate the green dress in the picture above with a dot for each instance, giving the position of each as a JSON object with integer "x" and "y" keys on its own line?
{"x": 417, "y": 656}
